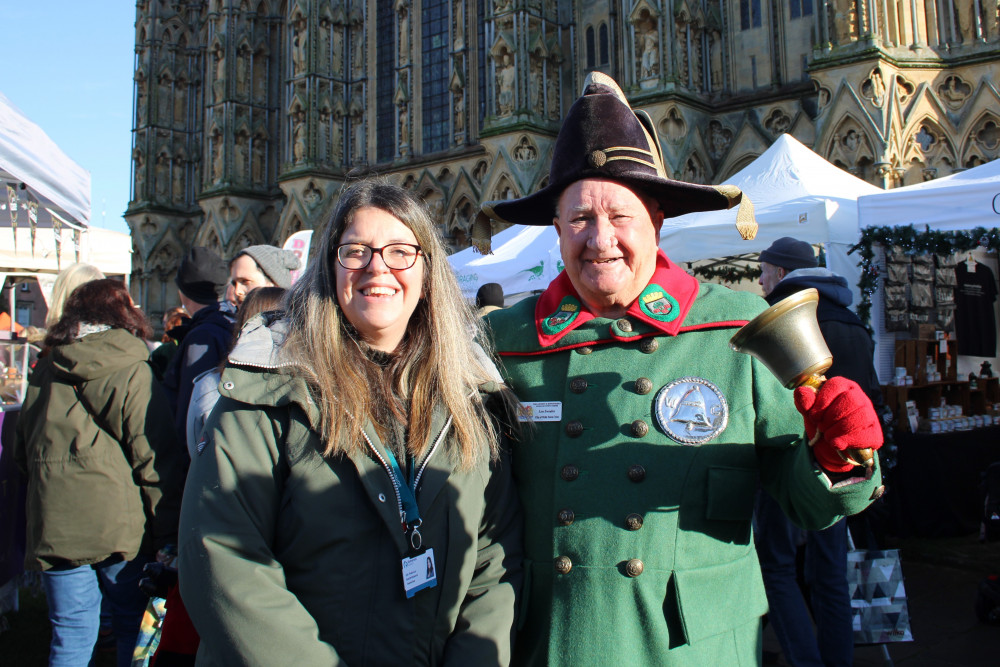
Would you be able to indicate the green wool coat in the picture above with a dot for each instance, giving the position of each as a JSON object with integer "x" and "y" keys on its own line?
{"x": 288, "y": 557}
{"x": 638, "y": 547}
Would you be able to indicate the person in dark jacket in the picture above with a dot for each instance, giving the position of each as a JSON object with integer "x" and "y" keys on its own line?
{"x": 96, "y": 441}
{"x": 789, "y": 266}
{"x": 200, "y": 277}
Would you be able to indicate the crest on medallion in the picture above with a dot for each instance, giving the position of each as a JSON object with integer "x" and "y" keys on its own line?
{"x": 691, "y": 410}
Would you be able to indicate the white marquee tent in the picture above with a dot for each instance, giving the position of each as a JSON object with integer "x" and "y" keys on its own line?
{"x": 795, "y": 192}
{"x": 40, "y": 180}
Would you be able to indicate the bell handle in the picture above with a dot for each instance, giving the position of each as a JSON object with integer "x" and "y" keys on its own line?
{"x": 859, "y": 456}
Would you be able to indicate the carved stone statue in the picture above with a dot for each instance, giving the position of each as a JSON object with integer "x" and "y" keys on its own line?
{"x": 240, "y": 157}
{"x": 404, "y": 36}
{"x": 162, "y": 177}
{"x": 404, "y": 125}
{"x": 506, "y": 77}
{"x": 299, "y": 53}
{"x": 535, "y": 86}
{"x": 259, "y": 156}
{"x": 459, "y": 111}
{"x": 217, "y": 164}
{"x": 178, "y": 189}
{"x": 299, "y": 141}
{"x": 650, "y": 55}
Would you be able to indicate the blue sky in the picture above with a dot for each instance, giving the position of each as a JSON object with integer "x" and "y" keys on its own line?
{"x": 67, "y": 65}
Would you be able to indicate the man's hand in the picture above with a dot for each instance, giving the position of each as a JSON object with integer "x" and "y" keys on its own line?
{"x": 837, "y": 417}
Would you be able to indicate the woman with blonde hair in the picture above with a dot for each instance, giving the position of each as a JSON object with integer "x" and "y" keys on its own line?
{"x": 353, "y": 499}
{"x": 68, "y": 280}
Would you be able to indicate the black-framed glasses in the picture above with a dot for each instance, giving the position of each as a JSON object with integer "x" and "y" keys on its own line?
{"x": 398, "y": 256}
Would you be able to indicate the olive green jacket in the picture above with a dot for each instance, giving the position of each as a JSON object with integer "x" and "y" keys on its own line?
{"x": 288, "y": 557}
{"x": 98, "y": 485}
{"x": 638, "y": 547}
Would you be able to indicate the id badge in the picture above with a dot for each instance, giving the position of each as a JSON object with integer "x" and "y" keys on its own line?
{"x": 419, "y": 572}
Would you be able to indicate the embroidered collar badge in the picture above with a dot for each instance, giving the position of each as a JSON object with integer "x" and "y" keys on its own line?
{"x": 657, "y": 303}
{"x": 691, "y": 410}
{"x": 568, "y": 309}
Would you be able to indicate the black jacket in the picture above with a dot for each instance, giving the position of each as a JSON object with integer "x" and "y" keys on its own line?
{"x": 849, "y": 341}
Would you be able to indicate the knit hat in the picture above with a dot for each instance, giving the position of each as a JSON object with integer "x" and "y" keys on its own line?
{"x": 490, "y": 294}
{"x": 275, "y": 263}
{"x": 603, "y": 137}
{"x": 200, "y": 275}
{"x": 790, "y": 254}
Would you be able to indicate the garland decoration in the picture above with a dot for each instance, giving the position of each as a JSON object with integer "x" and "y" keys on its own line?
{"x": 912, "y": 242}
{"x": 728, "y": 273}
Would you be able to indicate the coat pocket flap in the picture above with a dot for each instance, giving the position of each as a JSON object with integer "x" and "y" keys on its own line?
{"x": 720, "y": 597}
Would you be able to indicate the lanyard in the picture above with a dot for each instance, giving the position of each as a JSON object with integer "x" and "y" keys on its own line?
{"x": 407, "y": 494}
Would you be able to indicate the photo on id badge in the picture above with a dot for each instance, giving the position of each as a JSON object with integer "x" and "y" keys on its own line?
{"x": 419, "y": 573}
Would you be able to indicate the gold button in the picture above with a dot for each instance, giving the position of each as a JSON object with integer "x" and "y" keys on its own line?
{"x": 563, "y": 565}
{"x": 634, "y": 567}
{"x": 574, "y": 428}
{"x": 639, "y": 428}
{"x": 636, "y": 473}
{"x": 569, "y": 472}
{"x": 578, "y": 385}
{"x": 643, "y": 386}
{"x": 877, "y": 493}
{"x": 649, "y": 345}
{"x": 586, "y": 349}
{"x": 624, "y": 324}
{"x": 633, "y": 521}
{"x": 597, "y": 159}
{"x": 566, "y": 517}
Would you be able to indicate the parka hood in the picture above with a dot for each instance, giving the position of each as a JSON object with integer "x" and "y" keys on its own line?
{"x": 829, "y": 284}
{"x": 97, "y": 355}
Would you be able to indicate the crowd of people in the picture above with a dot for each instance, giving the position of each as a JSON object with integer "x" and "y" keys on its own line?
{"x": 362, "y": 468}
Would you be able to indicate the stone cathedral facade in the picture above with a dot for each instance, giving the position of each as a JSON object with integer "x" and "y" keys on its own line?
{"x": 250, "y": 115}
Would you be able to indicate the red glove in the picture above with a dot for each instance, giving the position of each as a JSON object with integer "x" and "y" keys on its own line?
{"x": 837, "y": 417}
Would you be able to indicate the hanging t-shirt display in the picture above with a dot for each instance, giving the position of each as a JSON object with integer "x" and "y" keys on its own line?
{"x": 975, "y": 324}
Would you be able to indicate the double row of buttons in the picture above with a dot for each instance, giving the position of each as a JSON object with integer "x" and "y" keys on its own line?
{"x": 570, "y": 472}
{"x": 633, "y": 567}
{"x": 567, "y": 516}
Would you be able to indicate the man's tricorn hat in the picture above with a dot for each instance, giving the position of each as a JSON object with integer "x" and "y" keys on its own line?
{"x": 603, "y": 137}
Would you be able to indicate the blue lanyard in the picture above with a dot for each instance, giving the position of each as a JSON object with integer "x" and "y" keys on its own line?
{"x": 407, "y": 494}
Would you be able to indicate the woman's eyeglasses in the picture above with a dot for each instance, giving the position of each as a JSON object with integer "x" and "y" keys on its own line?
{"x": 398, "y": 256}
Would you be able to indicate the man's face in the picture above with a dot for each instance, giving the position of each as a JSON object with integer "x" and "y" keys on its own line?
{"x": 244, "y": 275}
{"x": 770, "y": 275}
{"x": 608, "y": 237}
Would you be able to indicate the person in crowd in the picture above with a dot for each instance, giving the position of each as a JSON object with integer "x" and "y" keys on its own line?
{"x": 259, "y": 266}
{"x": 68, "y": 280}
{"x": 489, "y": 297}
{"x": 650, "y": 432}
{"x": 200, "y": 276}
{"x": 353, "y": 501}
{"x": 96, "y": 442}
{"x": 176, "y": 323}
{"x": 789, "y": 266}
{"x": 205, "y": 394}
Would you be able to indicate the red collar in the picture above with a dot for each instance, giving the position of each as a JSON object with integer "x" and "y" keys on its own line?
{"x": 663, "y": 304}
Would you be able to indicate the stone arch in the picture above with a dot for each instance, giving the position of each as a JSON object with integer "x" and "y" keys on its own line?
{"x": 982, "y": 143}
{"x": 504, "y": 188}
{"x": 849, "y": 144}
{"x": 672, "y": 127}
{"x": 927, "y": 152}
{"x": 459, "y": 222}
{"x": 735, "y": 166}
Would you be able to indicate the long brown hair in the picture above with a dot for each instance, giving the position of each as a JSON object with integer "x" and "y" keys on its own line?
{"x": 103, "y": 301}
{"x": 438, "y": 362}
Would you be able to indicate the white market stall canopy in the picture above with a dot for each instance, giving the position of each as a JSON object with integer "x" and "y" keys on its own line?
{"x": 29, "y": 157}
{"x": 961, "y": 201}
{"x": 795, "y": 193}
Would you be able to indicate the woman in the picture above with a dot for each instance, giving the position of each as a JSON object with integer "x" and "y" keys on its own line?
{"x": 300, "y": 539}
{"x": 96, "y": 440}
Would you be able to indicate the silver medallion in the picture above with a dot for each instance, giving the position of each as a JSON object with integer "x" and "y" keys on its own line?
{"x": 691, "y": 410}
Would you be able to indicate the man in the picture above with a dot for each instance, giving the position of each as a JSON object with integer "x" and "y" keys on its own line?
{"x": 489, "y": 297}
{"x": 649, "y": 431}
{"x": 259, "y": 266}
{"x": 200, "y": 276}
{"x": 789, "y": 266}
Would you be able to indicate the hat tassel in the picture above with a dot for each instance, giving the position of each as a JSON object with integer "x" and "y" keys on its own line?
{"x": 481, "y": 234}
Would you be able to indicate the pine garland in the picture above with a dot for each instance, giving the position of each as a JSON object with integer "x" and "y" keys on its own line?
{"x": 912, "y": 242}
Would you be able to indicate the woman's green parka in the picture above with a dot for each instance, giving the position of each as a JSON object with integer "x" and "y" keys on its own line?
{"x": 100, "y": 486}
{"x": 290, "y": 557}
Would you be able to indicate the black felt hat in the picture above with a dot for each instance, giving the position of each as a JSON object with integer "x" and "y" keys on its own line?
{"x": 791, "y": 254}
{"x": 201, "y": 274}
{"x": 603, "y": 137}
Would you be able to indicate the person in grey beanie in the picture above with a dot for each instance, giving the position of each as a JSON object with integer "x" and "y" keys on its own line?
{"x": 259, "y": 266}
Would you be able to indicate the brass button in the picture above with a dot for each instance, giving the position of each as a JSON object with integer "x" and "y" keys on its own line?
{"x": 624, "y": 324}
{"x": 639, "y": 428}
{"x": 877, "y": 493}
{"x": 563, "y": 565}
{"x": 586, "y": 349}
{"x": 597, "y": 159}
{"x": 574, "y": 428}
{"x": 578, "y": 385}
{"x": 569, "y": 472}
{"x": 643, "y": 386}
{"x": 633, "y": 521}
{"x": 634, "y": 567}
{"x": 566, "y": 517}
{"x": 649, "y": 345}
{"x": 636, "y": 473}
